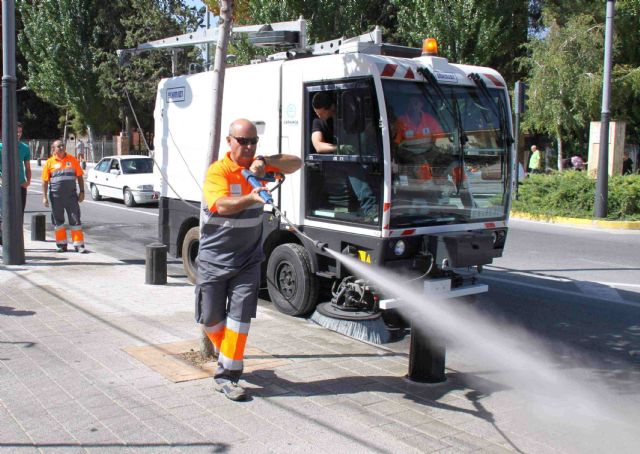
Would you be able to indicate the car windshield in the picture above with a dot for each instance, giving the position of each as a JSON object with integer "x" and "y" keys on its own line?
{"x": 137, "y": 165}
{"x": 435, "y": 179}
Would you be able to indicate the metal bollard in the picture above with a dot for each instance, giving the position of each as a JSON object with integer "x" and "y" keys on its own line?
{"x": 426, "y": 357}
{"x": 39, "y": 162}
{"x": 156, "y": 264}
{"x": 38, "y": 227}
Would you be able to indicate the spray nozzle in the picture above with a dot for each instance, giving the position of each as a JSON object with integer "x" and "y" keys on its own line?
{"x": 255, "y": 182}
{"x": 320, "y": 245}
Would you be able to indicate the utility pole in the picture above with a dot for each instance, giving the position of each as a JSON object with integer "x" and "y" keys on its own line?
{"x": 12, "y": 234}
{"x": 602, "y": 181}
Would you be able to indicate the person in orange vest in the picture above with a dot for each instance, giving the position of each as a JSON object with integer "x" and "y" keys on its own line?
{"x": 230, "y": 252}
{"x": 60, "y": 175}
{"x": 416, "y": 124}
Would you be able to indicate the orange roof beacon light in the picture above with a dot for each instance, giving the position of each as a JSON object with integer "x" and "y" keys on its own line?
{"x": 430, "y": 47}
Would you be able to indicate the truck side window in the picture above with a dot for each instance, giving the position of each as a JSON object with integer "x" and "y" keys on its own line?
{"x": 343, "y": 159}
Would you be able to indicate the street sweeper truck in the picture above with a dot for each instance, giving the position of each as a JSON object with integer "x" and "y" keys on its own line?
{"x": 416, "y": 177}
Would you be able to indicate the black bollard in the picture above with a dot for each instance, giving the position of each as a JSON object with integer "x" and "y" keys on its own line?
{"x": 38, "y": 227}
{"x": 39, "y": 162}
{"x": 426, "y": 356}
{"x": 156, "y": 264}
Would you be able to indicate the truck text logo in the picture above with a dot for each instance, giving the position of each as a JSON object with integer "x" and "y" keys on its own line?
{"x": 175, "y": 94}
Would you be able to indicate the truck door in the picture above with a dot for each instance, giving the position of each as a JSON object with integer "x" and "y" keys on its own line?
{"x": 344, "y": 173}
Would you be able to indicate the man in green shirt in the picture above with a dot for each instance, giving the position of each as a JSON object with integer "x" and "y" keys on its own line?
{"x": 535, "y": 161}
{"x": 24, "y": 166}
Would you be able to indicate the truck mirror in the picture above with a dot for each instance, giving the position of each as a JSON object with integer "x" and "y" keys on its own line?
{"x": 352, "y": 112}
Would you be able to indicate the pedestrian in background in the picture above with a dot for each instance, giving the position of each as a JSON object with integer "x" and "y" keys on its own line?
{"x": 535, "y": 163}
{"x": 627, "y": 164}
{"x": 60, "y": 174}
{"x": 24, "y": 166}
{"x": 577, "y": 163}
{"x": 231, "y": 252}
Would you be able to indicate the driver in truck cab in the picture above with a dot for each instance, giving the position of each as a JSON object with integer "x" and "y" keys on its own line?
{"x": 230, "y": 251}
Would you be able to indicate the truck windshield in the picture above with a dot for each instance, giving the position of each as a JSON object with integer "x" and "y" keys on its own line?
{"x": 446, "y": 169}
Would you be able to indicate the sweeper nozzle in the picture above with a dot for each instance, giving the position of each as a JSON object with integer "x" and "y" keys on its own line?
{"x": 320, "y": 245}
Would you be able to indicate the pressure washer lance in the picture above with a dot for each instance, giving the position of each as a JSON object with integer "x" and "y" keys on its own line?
{"x": 270, "y": 177}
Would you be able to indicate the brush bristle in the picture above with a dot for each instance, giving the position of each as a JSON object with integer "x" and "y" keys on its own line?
{"x": 374, "y": 331}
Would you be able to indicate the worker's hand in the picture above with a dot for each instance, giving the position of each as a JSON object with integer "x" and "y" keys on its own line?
{"x": 25, "y": 184}
{"x": 81, "y": 197}
{"x": 255, "y": 194}
{"x": 45, "y": 201}
{"x": 345, "y": 149}
{"x": 258, "y": 168}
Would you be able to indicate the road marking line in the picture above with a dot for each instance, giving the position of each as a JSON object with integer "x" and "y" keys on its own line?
{"x": 564, "y": 292}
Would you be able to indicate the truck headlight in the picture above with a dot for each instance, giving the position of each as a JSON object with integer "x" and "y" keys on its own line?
{"x": 399, "y": 248}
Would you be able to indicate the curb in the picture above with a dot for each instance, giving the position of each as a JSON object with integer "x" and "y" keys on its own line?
{"x": 597, "y": 223}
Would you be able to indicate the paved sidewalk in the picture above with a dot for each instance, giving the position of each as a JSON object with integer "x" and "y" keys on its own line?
{"x": 73, "y": 331}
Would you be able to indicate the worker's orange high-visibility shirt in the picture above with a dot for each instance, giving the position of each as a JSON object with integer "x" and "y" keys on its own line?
{"x": 406, "y": 129}
{"x": 61, "y": 173}
{"x": 224, "y": 179}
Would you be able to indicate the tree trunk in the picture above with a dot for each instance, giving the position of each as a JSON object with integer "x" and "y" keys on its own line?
{"x": 219, "y": 64}
{"x": 560, "y": 167}
{"x": 89, "y": 152}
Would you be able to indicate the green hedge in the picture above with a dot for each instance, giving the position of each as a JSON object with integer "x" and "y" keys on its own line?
{"x": 572, "y": 194}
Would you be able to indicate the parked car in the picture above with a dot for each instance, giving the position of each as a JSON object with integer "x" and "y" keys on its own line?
{"x": 127, "y": 177}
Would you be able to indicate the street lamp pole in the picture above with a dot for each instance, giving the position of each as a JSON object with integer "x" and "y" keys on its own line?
{"x": 12, "y": 234}
{"x": 602, "y": 182}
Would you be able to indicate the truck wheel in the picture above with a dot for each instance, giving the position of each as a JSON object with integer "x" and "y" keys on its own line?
{"x": 190, "y": 252}
{"x": 128, "y": 198}
{"x": 95, "y": 194}
{"x": 292, "y": 287}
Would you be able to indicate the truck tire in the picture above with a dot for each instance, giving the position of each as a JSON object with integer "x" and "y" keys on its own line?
{"x": 190, "y": 252}
{"x": 95, "y": 194}
{"x": 292, "y": 286}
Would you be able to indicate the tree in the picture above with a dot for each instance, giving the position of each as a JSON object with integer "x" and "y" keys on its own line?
{"x": 477, "y": 32}
{"x": 565, "y": 71}
{"x": 565, "y": 76}
{"x": 70, "y": 48}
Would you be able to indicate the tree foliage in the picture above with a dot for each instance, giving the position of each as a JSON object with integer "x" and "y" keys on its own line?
{"x": 477, "y": 32}
{"x": 70, "y": 48}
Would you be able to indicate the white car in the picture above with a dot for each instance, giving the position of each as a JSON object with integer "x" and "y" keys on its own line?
{"x": 127, "y": 177}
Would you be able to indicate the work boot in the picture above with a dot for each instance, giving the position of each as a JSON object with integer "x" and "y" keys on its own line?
{"x": 232, "y": 390}
{"x": 81, "y": 249}
{"x": 61, "y": 249}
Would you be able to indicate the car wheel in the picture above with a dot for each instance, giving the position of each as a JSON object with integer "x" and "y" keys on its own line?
{"x": 293, "y": 288}
{"x": 128, "y": 198}
{"x": 190, "y": 247}
{"x": 95, "y": 194}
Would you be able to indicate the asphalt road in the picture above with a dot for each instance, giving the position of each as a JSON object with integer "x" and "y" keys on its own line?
{"x": 577, "y": 289}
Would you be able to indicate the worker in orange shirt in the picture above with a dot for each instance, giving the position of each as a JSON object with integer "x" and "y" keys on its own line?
{"x": 230, "y": 252}
{"x": 60, "y": 175}
{"x": 416, "y": 124}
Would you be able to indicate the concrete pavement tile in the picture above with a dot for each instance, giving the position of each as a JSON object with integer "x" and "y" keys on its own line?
{"x": 18, "y": 448}
{"x": 397, "y": 430}
{"x": 148, "y": 412}
{"x": 411, "y": 417}
{"x": 424, "y": 443}
{"x": 214, "y": 430}
{"x": 366, "y": 398}
{"x": 110, "y": 410}
{"x": 436, "y": 429}
{"x": 465, "y": 442}
{"x": 387, "y": 408}
{"x": 190, "y": 411}
{"x": 173, "y": 431}
{"x": 497, "y": 449}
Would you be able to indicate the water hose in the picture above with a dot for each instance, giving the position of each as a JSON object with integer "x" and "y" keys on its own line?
{"x": 265, "y": 194}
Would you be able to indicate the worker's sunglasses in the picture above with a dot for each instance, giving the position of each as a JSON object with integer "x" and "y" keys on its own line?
{"x": 244, "y": 141}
